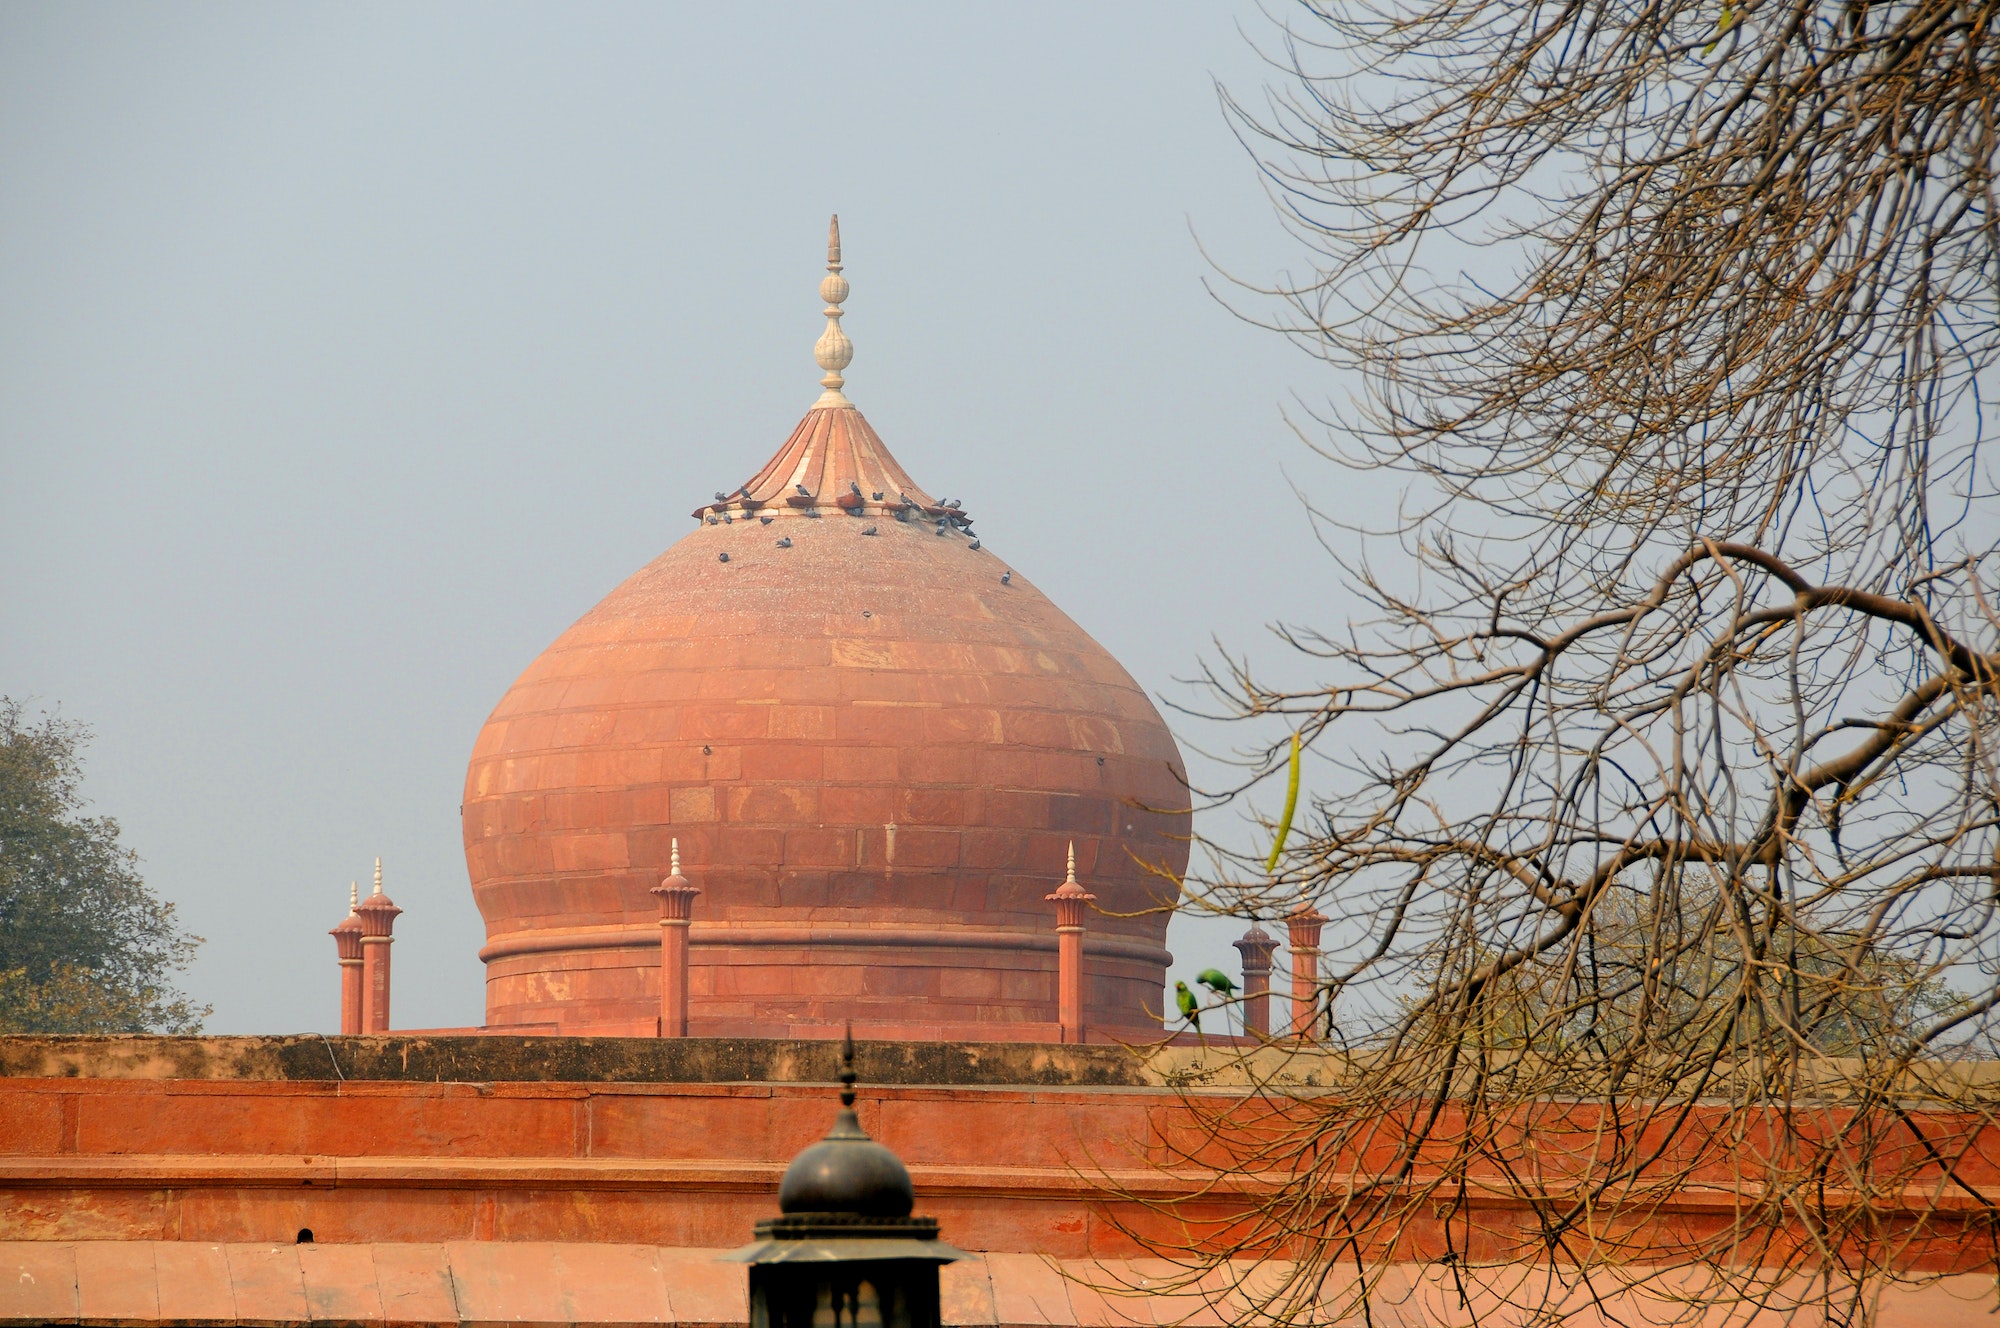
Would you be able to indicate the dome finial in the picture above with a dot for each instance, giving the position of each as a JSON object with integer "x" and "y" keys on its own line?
{"x": 378, "y": 876}
{"x": 833, "y": 350}
{"x": 676, "y": 869}
{"x": 353, "y": 895}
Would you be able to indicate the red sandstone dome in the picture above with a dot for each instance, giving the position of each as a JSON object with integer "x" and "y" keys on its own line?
{"x": 873, "y": 743}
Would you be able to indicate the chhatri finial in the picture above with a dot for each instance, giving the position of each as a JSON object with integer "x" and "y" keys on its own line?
{"x": 378, "y": 876}
{"x": 353, "y": 895}
{"x": 833, "y": 350}
{"x": 676, "y": 871}
{"x": 1070, "y": 891}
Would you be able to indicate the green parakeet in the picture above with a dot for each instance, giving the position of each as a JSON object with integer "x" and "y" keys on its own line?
{"x": 1216, "y": 981}
{"x": 1190, "y": 1008}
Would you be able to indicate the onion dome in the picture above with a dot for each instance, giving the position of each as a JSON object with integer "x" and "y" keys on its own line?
{"x": 873, "y": 740}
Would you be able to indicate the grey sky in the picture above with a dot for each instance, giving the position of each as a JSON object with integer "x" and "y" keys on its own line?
{"x": 349, "y": 353}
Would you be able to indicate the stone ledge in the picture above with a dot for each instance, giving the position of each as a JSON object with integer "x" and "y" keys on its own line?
{"x": 532, "y": 1284}
{"x": 675, "y": 1177}
{"x": 492, "y": 1058}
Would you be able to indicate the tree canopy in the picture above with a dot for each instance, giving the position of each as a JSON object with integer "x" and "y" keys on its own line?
{"x": 1660, "y": 770}
{"x": 85, "y": 946}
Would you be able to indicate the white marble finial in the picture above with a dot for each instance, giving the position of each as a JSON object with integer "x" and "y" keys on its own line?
{"x": 378, "y": 876}
{"x": 1072, "y": 863}
{"x": 353, "y": 895}
{"x": 833, "y": 350}
{"x": 677, "y": 859}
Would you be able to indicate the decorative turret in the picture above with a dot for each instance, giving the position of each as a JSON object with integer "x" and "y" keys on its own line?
{"x": 1256, "y": 947}
{"x": 1304, "y": 923}
{"x": 378, "y": 919}
{"x": 1070, "y": 899}
{"x": 676, "y": 896}
{"x": 347, "y": 945}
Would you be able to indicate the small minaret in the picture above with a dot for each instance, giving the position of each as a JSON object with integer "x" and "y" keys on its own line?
{"x": 1256, "y": 947}
{"x": 1070, "y": 900}
{"x": 347, "y": 943}
{"x": 378, "y": 919}
{"x": 833, "y": 351}
{"x": 1304, "y": 923}
{"x": 676, "y": 895}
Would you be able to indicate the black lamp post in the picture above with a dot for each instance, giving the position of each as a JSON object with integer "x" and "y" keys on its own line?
{"x": 845, "y": 1252}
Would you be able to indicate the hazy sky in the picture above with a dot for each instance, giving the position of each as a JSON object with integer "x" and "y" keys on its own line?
{"x": 349, "y": 353}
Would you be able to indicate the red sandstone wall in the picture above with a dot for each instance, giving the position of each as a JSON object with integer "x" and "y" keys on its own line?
{"x": 693, "y": 1165}
{"x": 682, "y": 1165}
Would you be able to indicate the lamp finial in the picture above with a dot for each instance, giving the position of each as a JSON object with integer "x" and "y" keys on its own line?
{"x": 847, "y": 1075}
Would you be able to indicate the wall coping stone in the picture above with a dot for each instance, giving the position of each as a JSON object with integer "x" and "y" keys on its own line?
{"x": 559, "y": 1285}
{"x": 489, "y": 1058}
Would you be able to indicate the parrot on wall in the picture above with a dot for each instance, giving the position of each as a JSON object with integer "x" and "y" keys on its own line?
{"x": 1190, "y": 1008}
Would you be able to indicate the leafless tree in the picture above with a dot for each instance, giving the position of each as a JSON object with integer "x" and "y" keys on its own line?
{"x": 1654, "y": 804}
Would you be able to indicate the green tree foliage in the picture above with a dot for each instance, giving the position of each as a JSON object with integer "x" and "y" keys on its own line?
{"x": 85, "y": 947}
